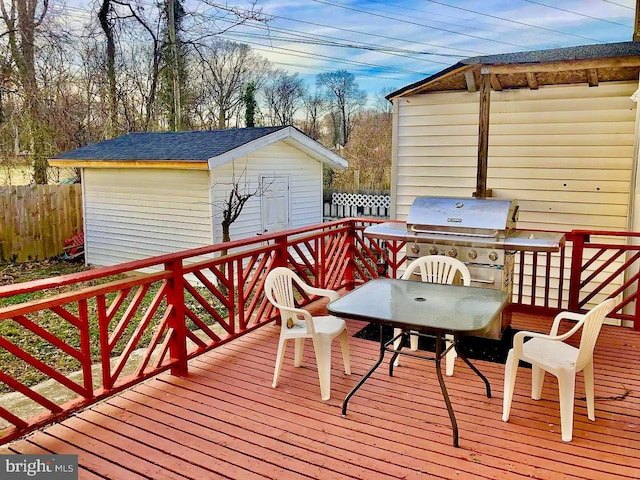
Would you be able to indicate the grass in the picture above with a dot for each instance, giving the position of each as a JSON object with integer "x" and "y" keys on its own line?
{"x": 44, "y": 351}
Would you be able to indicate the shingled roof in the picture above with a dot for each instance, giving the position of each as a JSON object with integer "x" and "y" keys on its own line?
{"x": 195, "y": 149}
{"x": 195, "y": 146}
{"x": 581, "y": 64}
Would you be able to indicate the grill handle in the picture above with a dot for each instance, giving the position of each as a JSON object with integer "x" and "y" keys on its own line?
{"x": 483, "y": 280}
{"x": 438, "y": 232}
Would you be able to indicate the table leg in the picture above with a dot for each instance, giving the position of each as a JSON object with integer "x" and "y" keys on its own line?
{"x": 443, "y": 388}
{"x": 478, "y": 372}
{"x": 403, "y": 338}
{"x": 367, "y": 375}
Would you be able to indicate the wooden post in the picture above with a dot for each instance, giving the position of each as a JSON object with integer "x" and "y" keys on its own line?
{"x": 483, "y": 134}
{"x": 636, "y": 23}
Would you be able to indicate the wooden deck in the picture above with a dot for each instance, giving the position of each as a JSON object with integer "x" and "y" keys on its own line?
{"x": 225, "y": 421}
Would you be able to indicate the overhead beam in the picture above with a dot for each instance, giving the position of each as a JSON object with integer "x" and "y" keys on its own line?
{"x": 495, "y": 81}
{"x": 618, "y": 62}
{"x": 470, "y": 78}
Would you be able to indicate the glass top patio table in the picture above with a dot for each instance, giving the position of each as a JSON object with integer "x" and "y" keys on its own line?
{"x": 430, "y": 308}
{"x": 422, "y": 306}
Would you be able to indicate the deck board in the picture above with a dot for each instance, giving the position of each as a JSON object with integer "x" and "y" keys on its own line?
{"x": 225, "y": 421}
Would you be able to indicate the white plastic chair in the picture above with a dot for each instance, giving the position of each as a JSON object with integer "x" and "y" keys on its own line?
{"x": 549, "y": 353}
{"x": 435, "y": 269}
{"x": 298, "y": 324}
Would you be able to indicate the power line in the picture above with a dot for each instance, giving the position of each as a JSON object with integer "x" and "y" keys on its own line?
{"x": 418, "y": 24}
{"x": 296, "y": 53}
{"x": 619, "y": 4}
{"x": 512, "y": 21}
{"x": 311, "y": 41}
{"x": 576, "y": 13}
{"x": 334, "y": 41}
{"x": 377, "y": 35}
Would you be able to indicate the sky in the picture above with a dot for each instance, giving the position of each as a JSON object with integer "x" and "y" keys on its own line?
{"x": 388, "y": 44}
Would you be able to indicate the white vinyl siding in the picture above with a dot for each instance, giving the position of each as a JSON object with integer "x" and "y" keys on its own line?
{"x": 131, "y": 214}
{"x": 279, "y": 159}
{"x": 564, "y": 152}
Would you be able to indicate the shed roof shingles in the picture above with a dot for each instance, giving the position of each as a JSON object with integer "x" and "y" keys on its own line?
{"x": 194, "y": 146}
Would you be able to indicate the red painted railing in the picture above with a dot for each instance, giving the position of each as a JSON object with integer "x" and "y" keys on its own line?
{"x": 135, "y": 326}
{"x": 606, "y": 264}
{"x": 192, "y": 302}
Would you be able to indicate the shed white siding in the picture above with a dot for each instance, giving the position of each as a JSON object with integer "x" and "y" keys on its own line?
{"x": 131, "y": 214}
{"x": 278, "y": 159}
{"x": 565, "y": 152}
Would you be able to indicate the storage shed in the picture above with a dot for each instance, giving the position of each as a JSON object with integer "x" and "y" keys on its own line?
{"x": 556, "y": 129}
{"x": 146, "y": 194}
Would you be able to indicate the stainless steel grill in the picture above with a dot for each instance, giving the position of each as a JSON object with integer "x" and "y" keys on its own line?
{"x": 480, "y": 232}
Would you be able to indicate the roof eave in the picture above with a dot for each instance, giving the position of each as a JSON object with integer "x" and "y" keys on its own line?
{"x": 77, "y": 163}
{"x": 289, "y": 134}
{"x": 409, "y": 89}
{"x": 616, "y": 55}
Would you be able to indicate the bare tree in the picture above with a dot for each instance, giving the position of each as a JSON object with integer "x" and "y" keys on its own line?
{"x": 369, "y": 162}
{"x": 345, "y": 99}
{"x": 22, "y": 20}
{"x": 381, "y": 104}
{"x": 238, "y": 194}
{"x": 228, "y": 68}
{"x": 314, "y": 106}
{"x": 284, "y": 96}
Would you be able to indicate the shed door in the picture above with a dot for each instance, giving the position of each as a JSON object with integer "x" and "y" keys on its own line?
{"x": 275, "y": 203}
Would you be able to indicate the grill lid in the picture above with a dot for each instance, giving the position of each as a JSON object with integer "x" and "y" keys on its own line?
{"x": 483, "y": 217}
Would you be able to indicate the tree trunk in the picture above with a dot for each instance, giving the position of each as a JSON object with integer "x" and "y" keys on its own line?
{"x": 21, "y": 36}
{"x": 112, "y": 115}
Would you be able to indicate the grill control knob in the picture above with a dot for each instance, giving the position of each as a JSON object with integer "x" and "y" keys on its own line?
{"x": 493, "y": 256}
{"x": 453, "y": 252}
{"x": 433, "y": 250}
{"x": 472, "y": 254}
{"x": 415, "y": 248}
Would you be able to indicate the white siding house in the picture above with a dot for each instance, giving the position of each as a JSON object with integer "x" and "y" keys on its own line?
{"x": 149, "y": 194}
{"x": 566, "y": 152}
{"x": 557, "y": 130}
{"x": 279, "y": 168}
{"x": 138, "y": 213}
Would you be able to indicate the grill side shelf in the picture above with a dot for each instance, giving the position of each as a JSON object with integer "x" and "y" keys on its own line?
{"x": 530, "y": 241}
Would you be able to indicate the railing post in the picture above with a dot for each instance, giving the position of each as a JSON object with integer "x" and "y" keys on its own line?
{"x": 280, "y": 251}
{"x": 177, "y": 325}
{"x": 351, "y": 256}
{"x": 576, "y": 270}
{"x": 279, "y": 259}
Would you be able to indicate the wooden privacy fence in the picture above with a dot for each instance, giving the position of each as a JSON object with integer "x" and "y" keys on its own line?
{"x": 37, "y": 219}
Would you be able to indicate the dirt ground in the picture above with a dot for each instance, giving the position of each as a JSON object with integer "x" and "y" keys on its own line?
{"x": 23, "y": 272}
